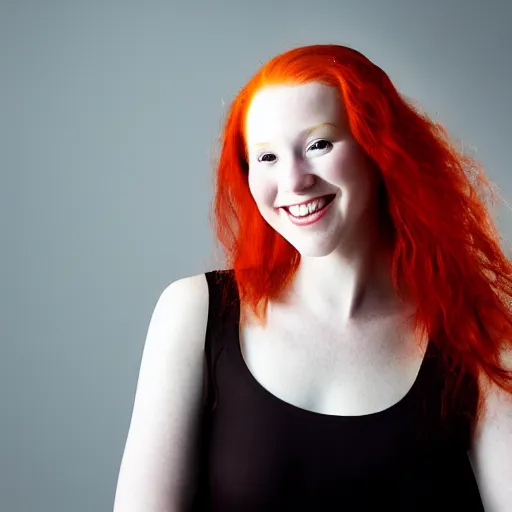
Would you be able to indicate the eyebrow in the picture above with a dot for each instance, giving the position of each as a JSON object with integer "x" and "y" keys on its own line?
{"x": 305, "y": 132}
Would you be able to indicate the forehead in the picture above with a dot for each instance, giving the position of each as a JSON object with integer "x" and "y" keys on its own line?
{"x": 279, "y": 111}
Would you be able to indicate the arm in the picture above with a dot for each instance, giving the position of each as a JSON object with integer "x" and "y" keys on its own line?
{"x": 157, "y": 470}
{"x": 491, "y": 450}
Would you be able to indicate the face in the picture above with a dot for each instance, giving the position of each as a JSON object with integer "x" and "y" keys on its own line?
{"x": 300, "y": 148}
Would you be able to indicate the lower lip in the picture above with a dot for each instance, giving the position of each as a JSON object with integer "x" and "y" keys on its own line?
{"x": 309, "y": 219}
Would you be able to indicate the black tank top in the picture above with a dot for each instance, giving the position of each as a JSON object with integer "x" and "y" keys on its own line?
{"x": 259, "y": 453}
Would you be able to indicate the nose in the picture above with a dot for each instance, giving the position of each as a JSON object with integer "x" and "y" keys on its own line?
{"x": 295, "y": 176}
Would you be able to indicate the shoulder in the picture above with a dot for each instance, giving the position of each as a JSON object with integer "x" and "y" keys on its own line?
{"x": 196, "y": 287}
{"x": 183, "y": 304}
{"x": 185, "y": 299}
{"x": 194, "y": 291}
{"x": 491, "y": 447}
{"x": 186, "y": 302}
{"x": 159, "y": 464}
{"x": 497, "y": 403}
{"x": 191, "y": 288}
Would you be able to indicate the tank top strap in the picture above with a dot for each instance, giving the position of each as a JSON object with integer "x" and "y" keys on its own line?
{"x": 223, "y": 311}
{"x": 222, "y": 306}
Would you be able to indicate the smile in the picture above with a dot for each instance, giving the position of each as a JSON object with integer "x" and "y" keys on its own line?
{"x": 311, "y": 212}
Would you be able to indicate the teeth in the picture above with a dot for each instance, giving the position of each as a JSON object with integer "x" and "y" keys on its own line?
{"x": 307, "y": 209}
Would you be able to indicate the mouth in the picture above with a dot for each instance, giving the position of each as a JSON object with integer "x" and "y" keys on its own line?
{"x": 303, "y": 217}
{"x": 324, "y": 201}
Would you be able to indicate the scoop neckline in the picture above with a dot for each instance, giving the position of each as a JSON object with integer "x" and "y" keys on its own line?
{"x": 251, "y": 380}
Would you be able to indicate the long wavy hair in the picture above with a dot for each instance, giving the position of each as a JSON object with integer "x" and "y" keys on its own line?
{"x": 445, "y": 250}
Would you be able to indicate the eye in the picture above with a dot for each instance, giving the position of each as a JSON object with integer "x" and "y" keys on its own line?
{"x": 319, "y": 145}
{"x": 322, "y": 142}
{"x": 262, "y": 158}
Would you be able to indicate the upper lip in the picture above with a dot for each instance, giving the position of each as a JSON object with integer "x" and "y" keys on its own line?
{"x": 305, "y": 201}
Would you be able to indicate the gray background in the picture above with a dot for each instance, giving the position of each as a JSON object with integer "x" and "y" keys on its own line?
{"x": 109, "y": 116}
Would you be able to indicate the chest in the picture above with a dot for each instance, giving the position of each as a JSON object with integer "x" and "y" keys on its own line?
{"x": 320, "y": 367}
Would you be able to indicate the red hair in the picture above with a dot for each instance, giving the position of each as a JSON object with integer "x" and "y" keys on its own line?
{"x": 445, "y": 252}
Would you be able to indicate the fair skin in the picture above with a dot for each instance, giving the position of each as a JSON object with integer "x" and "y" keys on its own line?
{"x": 342, "y": 288}
{"x": 342, "y": 272}
{"x": 158, "y": 469}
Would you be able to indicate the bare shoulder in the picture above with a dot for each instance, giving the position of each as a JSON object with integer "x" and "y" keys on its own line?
{"x": 189, "y": 296}
{"x": 179, "y": 319}
{"x": 490, "y": 452}
{"x": 159, "y": 464}
{"x": 194, "y": 287}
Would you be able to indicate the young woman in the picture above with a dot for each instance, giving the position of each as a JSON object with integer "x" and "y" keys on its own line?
{"x": 356, "y": 353}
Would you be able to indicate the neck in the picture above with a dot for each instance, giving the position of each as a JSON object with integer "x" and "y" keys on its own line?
{"x": 353, "y": 285}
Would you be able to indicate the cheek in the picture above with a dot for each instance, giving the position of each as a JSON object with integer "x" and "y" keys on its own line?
{"x": 261, "y": 190}
{"x": 253, "y": 187}
{"x": 348, "y": 165}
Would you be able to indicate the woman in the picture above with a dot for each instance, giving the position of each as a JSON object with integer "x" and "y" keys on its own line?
{"x": 356, "y": 351}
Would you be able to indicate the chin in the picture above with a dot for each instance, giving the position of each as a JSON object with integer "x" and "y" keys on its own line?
{"x": 314, "y": 252}
{"x": 314, "y": 247}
